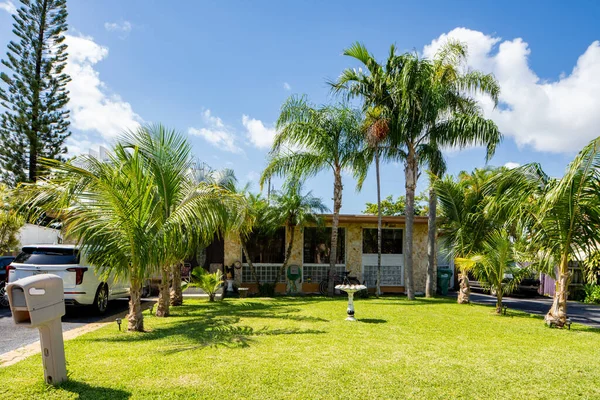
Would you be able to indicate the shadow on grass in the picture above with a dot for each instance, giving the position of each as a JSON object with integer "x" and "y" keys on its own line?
{"x": 86, "y": 391}
{"x": 215, "y": 325}
{"x": 372, "y": 320}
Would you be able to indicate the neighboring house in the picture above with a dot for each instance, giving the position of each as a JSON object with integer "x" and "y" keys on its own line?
{"x": 35, "y": 234}
{"x": 548, "y": 283}
{"x": 357, "y": 253}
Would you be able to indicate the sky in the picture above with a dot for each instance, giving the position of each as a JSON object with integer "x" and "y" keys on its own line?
{"x": 218, "y": 71}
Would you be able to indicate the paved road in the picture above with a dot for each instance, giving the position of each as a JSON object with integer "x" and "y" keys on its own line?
{"x": 12, "y": 336}
{"x": 578, "y": 312}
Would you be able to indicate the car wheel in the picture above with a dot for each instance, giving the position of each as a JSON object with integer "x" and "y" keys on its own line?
{"x": 3, "y": 297}
{"x": 101, "y": 300}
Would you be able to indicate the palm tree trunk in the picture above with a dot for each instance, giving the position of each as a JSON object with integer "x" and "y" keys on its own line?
{"x": 431, "y": 242}
{"x": 558, "y": 312}
{"x": 162, "y": 310}
{"x": 135, "y": 319}
{"x": 499, "y": 300}
{"x": 379, "y": 228}
{"x": 250, "y": 264}
{"x": 337, "y": 205}
{"x": 464, "y": 292}
{"x": 288, "y": 254}
{"x": 410, "y": 171}
{"x": 176, "y": 292}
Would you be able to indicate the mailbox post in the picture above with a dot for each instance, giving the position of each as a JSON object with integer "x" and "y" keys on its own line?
{"x": 38, "y": 302}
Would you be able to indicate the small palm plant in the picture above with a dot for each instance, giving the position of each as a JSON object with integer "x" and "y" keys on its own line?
{"x": 495, "y": 267}
{"x": 209, "y": 283}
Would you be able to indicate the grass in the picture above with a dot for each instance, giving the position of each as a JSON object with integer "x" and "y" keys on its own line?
{"x": 300, "y": 348}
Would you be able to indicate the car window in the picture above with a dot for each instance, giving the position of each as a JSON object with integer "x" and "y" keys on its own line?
{"x": 5, "y": 261}
{"x": 47, "y": 256}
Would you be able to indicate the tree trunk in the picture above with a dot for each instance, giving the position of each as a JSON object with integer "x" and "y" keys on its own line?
{"x": 379, "y": 228}
{"x": 464, "y": 292}
{"x": 337, "y": 205}
{"x": 250, "y": 264}
{"x": 410, "y": 172}
{"x": 162, "y": 309}
{"x": 176, "y": 292}
{"x": 35, "y": 109}
{"x": 288, "y": 254}
{"x": 135, "y": 319}
{"x": 557, "y": 315}
{"x": 431, "y": 243}
{"x": 499, "y": 300}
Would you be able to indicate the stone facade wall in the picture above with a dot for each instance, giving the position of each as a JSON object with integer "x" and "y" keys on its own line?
{"x": 233, "y": 250}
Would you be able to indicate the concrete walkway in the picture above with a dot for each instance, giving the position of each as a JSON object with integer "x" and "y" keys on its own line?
{"x": 70, "y": 331}
{"x": 587, "y": 314}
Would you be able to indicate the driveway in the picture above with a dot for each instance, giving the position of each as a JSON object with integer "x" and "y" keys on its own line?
{"x": 13, "y": 336}
{"x": 586, "y": 314}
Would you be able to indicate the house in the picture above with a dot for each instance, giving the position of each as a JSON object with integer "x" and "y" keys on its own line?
{"x": 357, "y": 253}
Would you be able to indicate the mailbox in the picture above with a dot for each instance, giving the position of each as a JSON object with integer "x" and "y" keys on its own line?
{"x": 37, "y": 299}
{"x": 38, "y": 302}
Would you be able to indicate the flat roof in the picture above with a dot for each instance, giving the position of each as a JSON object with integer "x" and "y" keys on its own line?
{"x": 369, "y": 218}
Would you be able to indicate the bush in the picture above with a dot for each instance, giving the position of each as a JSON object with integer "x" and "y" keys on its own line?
{"x": 592, "y": 293}
{"x": 266, "y": 290}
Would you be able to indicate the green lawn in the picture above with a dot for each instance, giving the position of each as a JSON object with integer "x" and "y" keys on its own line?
{"x": 302, "y": 348}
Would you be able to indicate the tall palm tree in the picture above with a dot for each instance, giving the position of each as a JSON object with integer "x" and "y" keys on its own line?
{"x": 464, "y": 222}
{"x": 166, "y": 154}
{"x": 291, "y": 208}
{"x": 428, "y": 104}
{"x": 562, "y": 215}
{"x": 328, "y": 138}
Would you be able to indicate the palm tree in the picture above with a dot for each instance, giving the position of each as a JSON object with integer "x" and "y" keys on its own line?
{"x": 464, "y": 222}
{"x": 110, "y": 208}
{"x": 166, "y": 155}
{"x": 496, "y": 266}
{"x": 328, "y": 138}
{"x": 209, "y": 283}
{"x": 120, "y": 217}
{"x": 291, "y": 208}
{"x": 428, "y": 107}
{"x": 562, "y": 216}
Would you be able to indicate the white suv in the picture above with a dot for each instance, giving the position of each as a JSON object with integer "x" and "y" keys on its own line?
{"x": 81, "y": 284}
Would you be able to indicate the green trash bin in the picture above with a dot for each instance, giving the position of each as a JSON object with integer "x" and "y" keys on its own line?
{"x": 443, "y": 281}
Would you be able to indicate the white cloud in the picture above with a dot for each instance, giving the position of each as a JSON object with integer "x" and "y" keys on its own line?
{"x": 93, "y": 107}
{"x": 8, "y": 6}
{"x": 512, "y": 165}
{"x": 121, "y": 27}
{"x": 260, "y": 135}
{"x": 124, "y": 26}
{"x": 287, "y": 86}
{"x": 216, "y": 133}
{"x": 559, "y": 115}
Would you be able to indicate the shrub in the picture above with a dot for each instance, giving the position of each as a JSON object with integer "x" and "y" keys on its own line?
{"x": 592, "y": 293}
{"x": 266, "y": 290}
{"x": 210, "y": 283}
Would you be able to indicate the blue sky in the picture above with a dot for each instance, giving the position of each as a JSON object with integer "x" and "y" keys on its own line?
{"x": 219, "y": 71}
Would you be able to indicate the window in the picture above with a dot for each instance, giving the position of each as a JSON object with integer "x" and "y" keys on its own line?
{"x": 265, "y": 274}
{"x": 391, "y": 275}
{"x": 47, "y": 256}
{"x": 391, "y": 241}
{"x": 266, "y": 248}
{"x": 317, "y": 245}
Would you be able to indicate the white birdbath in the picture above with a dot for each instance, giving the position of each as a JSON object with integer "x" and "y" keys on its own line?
{"x": 350, "y": 289}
